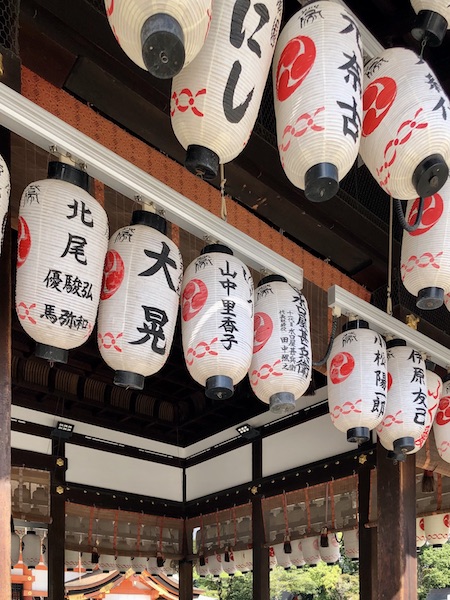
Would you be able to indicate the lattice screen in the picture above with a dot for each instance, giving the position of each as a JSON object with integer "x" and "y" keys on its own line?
{"x": 30, "y": 494}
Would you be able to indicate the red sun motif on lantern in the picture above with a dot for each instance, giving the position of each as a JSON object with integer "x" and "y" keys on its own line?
{"x": 389, "y": 382}
{"x": 378, "y": 98}
{"x": 432, "y": 212}
{"x": 447, "y": 520}
{"x": 194, "y": 298}
{"x": 296, "y": 61}
{"x": 341, "y": 367}
{"x": 23, "y": 242}
{"x": 443, "y": 414}
{"x": 422, "y": 524}
{"x": 113, "y": 274}
{"x": 263, "y": 327}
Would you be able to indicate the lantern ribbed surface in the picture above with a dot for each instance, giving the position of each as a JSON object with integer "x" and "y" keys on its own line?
{"x": 425, "y": 257}
{"x": 31, "y": 550}
{"x": 217, "y": 317}
{"x": 351, "y": 544}
{"x": 127, "y": 19}
{"x": 281, "y": 367}
{"x": 432, "y": 22}
{"x": 243, "y": 560}
{"x": 310, "y": 547}
{"x": 5, "y": 189}
{"x": 357, "y": 380}
{"x": 331, "y": 553}
{"x": 317, "y": 78}
{"x": 203, "y": 570}
{"x": 406, "y": 120}
{"x": 216, "y": 99}
{"x": 421, "y": 538}
{"x": 437, "y": 529}
{"x": 434, "y": 385}
{"x": 283, "y": 559}
{"x": 139, "y": 302}
{"x": 62, "y": 242}
{"x": 15, "y": 548}
{"x": 296, "y": 556}
{"x": 439, "y": 6}
{"x": 405, "y": 417}
{"x": 441, "y": 425}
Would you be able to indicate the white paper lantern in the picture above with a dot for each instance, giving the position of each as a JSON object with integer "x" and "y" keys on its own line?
{"x": 107, "y": 556}
{"x": 229, "y": 566}
{"x": 215, "y": 564}
{"x": 421, "y": 538}
{"x": 139, "y": 564}
{"x": 310, "y": 547}
{"x": 331, "y": 553}
{"x": 161, "y": 36}
{"x": 433, "y": 17}
{"x": 281, "y": 367}
{"x": 437, "y": 529}
{"x": 317, "y": 76}
{"x": 434, "y": 385}
{"x": 5, "y": 189}
{"x": 203, "y": 569}
{"x": 441, "y": 425}
{"x": 406, "y": 126}
{"x": 244, "y": 560}
{"x": 407, "y": 398}
{"x": 62, "y": 241}
{"x": 139, "y": 299}
{"x": 357, "y": 381}
{"x": 86, "y": 561}
{"x": 272, "y": 558}
{"x": 283, "y": 559}
{"x": 425, "y": 259}
{"x": 15, "y": 548}
{"x": 217, "y": 320}
{"x": 215, "y": 100}
{"x": 124, "y": 562}
{"x": 31, "y": 549}
{"x": 170, "y": 568}
{"x": 71, "y": 560}
{"x": 152, "y": 566}
{"x": 296, "y": 556}
{"x": 351, "y": 544}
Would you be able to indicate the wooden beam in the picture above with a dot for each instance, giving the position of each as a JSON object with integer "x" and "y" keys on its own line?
{"x": 186, "y": 580}
{"x": 56, "y": 528}
{"x": 261, "y": 579}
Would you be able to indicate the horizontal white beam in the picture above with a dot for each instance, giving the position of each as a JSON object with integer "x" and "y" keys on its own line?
{"x": 385, "y": 324}
{"x": 33, "y": 123}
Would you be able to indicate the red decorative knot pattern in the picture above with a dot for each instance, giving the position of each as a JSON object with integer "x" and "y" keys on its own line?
{"x": 23, "y": 312}
{"x": 110, "y": 8}
{"x": 435, "y": 394}
{"x": 304, "y": 123}
{"x": 443, "y": 414}
{"x": 185, "y": 100}
{"x": 427, "y": 259}
{"x": 443, "y": 447}
{"x": 200, "y": 351}
{"x": 377, "y": 100}
{"x": 423, "y": 438}
{"x": 404, "y": 133}
{"x": 390, "y": 420}
{"x": 345, "y": 409}
{"x": 433, "y": 209}
{"x": 296, "y": 61}
{"x": 437, "y": 536}
{"x": 89, "y": 329}
{"x": 209, "y": 13}
{"x": 265, "y": 372}
{"x": 23, "y": 242}
{"x": 108, "y": 340}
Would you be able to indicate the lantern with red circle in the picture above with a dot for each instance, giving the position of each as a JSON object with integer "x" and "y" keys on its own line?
{"x": 139, "y": 299}
{"x": 281, "y": 367}
{"x": 311, "y": 553}
{"x": 5, "y": 189}
{"x": 405, "y": 417}
{"x": 229, "y": 566}
{"x": 203, "y": 567}
{"x": 216, "y": 99}
{"x": 161, "y": 36}
{"x": 437, "y": 529}
{"x": 62, "y": 241}
{"x": 330, "y": 553}
{"x": 405, "y": 132}
{"x": 215, "y": 566}
{"x": 441, "y": 425}
{"x": 425, "y": 259}
{"x": 432, "y": 22}
{"x": 421, "y": 538}
{"x": 296, "y": 556}
{"x": 217, "y": 320}
{"x": 357, "y": 380}
{"x": 351, "y": 544}
{"x": 317, "y": 73}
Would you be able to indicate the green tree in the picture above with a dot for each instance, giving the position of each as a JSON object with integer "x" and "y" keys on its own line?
{"x": 433, "y": 570}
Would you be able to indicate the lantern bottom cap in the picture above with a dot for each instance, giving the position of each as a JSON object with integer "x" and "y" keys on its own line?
{"x": 358, "y": 435}
{"x": 431, "y": 27}
{"x": 128, "y": 379}
{"x": 404, "y": 444}
{"x": 219, "y": 387}
{"x": 51, "y": 353}
{"x": 430, "y": 298}
{"x": 398, "y": 456}
{"x": 282, "y": 402}
{"x": 162, "y": 41}
{"x": 430, "y": 175}
{"x": 321, "y": 182}
{"x": 202, "y": 161}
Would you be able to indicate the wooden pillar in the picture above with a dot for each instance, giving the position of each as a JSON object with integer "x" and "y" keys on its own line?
{"x": 261, "y": 578}
{"x": 186, "y": 580}
{"x": 367, "y": 540}
{"x": 56, "y": 528}
{"x": 396, "y": 545}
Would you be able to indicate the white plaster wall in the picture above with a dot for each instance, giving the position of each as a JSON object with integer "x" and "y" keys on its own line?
{"x": 24, "y": 441}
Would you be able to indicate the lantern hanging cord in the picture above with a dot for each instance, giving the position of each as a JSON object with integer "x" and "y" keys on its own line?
{"x": 389, "y": 283}
{"x": 223, "y": 208}
{"x": 334, "y": 325}
{"x": 401, "y": 217}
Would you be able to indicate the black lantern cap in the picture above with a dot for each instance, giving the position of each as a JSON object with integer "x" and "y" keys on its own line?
{"x": 430, "y": 298}
{"x": 162, "y": 41}
{"x": 216, "y": 248}
{"x": 271, "y": 279}
{"x": 51, "y": 353}
{"x": 395, "y": 343}
{"x": 282, "y": 403}
{"x": 404, "y": 444}
{"x": 202, "y": 161}
{"x": 321, "y": 182}
{"x": 219, "y": 387}
{"x": 430, "y": 175}
{"x": 358, "y": 435}
{"x": 355, "y": 324}
{"x": 69, "y": 173}
{"x": 430, "y": 27}
{"x": 151, "y": 219}
{"x": 127, "y": 379}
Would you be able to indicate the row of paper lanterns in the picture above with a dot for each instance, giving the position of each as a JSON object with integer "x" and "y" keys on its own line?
{"x": 432, "y": 530}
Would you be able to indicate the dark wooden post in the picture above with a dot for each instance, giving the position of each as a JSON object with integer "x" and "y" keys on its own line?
{"x": 367, "y": 540}
{"x": 396, "y": 545}
{"x": 186, "y": 580}
{"x": 56, "y": 529}
{"x": 261, "y": 578}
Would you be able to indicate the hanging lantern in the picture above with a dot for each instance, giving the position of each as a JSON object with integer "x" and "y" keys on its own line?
{"x": 31, "y": 549}
{"x": 107, "y": 557}
{"x": 124, "y": 563}
{"x": 152, "y": 565}
{"x": 229, "y": 566}
{"x": 310, "y": 547}
{"x": 283, "y": 559}
{"x": 244, "y": 560}
{"x": 62, "y": 241}
{"x": 86, "y": 561}
{"x": 405, "y": 134}
{"x": 432, "y": 21}
{"x": 272, "y": 558}
{"x": 331, "y": 553}
{"x": 425, "y": 260}
{"x": 160, "y": 36}
{"x": 441, "y": 425}
{"x": 317, "y": 75}
{"x": 437, "y": 529}
{"x": 281, "y": 367}
{"x": 296, "y": 556}
{"x": 5, "y": 189}
{"x": 421, "y": 538}
{"x": 15, "y": 549}
{"x": 71, "y": 559}
{"x": 215, "y": 564}
{"x": 217, "y": 320}
{"x": 351, "y": 544}
{"x": 202, "y": 567}
{"x": 357, "y": 381}
{"x": 139, "y": 299}
{"x": 434, "y": 386}
{"x": 406, "y": 412}
{"x": 139, "y": 564}
{"x": 216, "y": 99}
